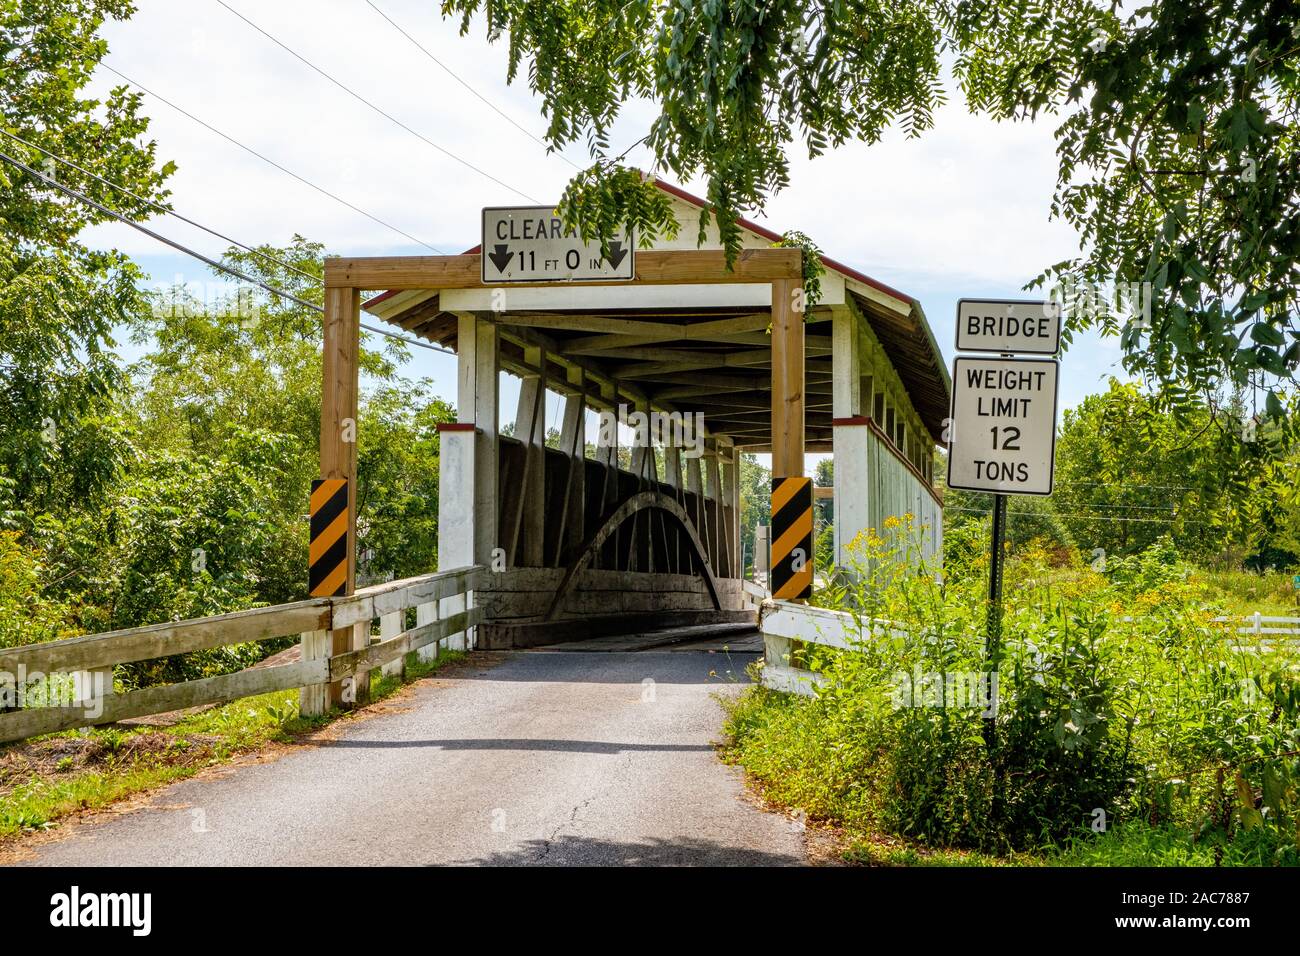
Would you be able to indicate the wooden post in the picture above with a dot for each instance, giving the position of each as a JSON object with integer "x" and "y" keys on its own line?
{"x": 427, "y": 614}
{"x": 573, "y": 441}
{"x": 529, "y": 518}
{"x": 697, "y": 508}
{"x": 91, "y": 689}
{"x": 714, "y": 541}
{"x": 673, "y": 478}
{"x": 390, "y": 625}
{"x": 792, "y": 501}
{"x": 731, "y": 485}
{"x": 338, "y": 459}
{"x": 787, "y": 382}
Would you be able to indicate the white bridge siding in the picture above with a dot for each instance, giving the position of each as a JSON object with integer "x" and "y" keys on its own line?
{"x": 883, "y": 450}
{"x": 899, "y": 492}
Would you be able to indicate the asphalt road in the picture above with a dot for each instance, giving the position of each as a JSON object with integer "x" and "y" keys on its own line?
{"x": 535, "y": 758}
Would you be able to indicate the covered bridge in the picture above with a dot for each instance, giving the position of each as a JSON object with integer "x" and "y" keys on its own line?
{"x": 585, "y": 540}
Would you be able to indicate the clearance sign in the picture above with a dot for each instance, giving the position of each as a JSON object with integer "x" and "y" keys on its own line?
{"x": 1002, "y": 430}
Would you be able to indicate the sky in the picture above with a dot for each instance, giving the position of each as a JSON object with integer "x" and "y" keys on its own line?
{"x": 960, "y": 212}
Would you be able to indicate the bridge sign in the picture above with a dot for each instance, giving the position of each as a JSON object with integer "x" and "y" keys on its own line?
{"x": 1031, "y": 327}
{"x": 1002, "y": 435}
{"x": 530, "y": 244}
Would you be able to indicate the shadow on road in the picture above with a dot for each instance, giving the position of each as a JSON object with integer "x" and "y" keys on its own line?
{"x": 586, "y": 851}
{"x": 568, "y": 746}
{"x": 621, "y": 667}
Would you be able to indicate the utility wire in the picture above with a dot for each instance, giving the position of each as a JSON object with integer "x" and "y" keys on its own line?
{"x": 1084, "y": 516}
{"x": 452, "y": 73}
{"x": 219, "y": 266}
{"x": 161, "y": 208}
{"x": 388, "y": 116}
{"x": 268, "y": 160}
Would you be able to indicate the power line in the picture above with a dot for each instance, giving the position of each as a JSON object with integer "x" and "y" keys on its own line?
{"x": 269, "y": 161}
{"x": 161, "y": 208}
{"x": 361, "y": 99}
{"x": 1084, "y": 516}
{"x": 179, "y": 247}
{"x": 452, "y": 73}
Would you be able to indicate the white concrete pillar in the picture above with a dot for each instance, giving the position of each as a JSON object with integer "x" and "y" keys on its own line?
{"x": 852, "y": 435}
{"x": 456, "y": 517}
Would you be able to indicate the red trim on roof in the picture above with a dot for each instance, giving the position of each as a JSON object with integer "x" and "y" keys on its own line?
{"x": 378, "y": 298}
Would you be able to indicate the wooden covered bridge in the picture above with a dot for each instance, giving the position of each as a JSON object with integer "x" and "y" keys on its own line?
{"x": 582, "y": 539}
{"x": 541, "y": 541}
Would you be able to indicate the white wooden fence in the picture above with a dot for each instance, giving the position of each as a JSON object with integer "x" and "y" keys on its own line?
{"x": 91, "y": 658}
{"x": 785, "y": 622}
{"x": 1266, "y": 633}
{"x": 1258, "y": 623}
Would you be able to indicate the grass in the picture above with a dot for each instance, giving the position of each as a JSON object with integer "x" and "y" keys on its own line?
{"x": 785, "y": 754}
{"x": 45, "y": 779}
{"x": 1137, "y": 844}
{"x": 1245, "y": 592}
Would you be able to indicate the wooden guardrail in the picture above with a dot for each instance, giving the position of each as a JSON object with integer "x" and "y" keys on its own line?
{"x": 785, "y": 623}
{"x": 753, "y": 594}
{"x": 79, "y": 656}
{"x": 1258, "y": 623}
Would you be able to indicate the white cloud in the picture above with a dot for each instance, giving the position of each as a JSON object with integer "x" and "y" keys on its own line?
{"x": 963, "y": 210}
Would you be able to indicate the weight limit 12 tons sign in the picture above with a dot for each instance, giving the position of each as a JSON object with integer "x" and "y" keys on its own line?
{"x": 1002, "y": 432}
{"x": 530, "y": 244}
{"x": 1003, "y": 429}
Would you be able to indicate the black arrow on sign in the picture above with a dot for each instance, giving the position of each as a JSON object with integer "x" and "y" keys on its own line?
{"x": 616, "y": 253}
{"x": 500, "y": 256}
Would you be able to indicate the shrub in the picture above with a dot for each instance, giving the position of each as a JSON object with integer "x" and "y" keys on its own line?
{"x": 1118, "y": 702}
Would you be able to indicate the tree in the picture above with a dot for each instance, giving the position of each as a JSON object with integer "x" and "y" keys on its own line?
{"x": 223, "y": 373}
{"x": 1128, "y": 472}
{"x": 755, "y": 501}
{"x": 60, "y": 300}
{"x": 1178, "y": 148}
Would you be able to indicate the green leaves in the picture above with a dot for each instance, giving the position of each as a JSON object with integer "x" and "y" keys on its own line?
{"x": 59, "y": 300}
{"x": 1177, "y": 141}
{"x": 737, "y": 84}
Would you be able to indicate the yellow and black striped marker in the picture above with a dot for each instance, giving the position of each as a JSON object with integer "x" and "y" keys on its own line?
{"x": 327, "y": 574}
{"x": 792, "y": 538}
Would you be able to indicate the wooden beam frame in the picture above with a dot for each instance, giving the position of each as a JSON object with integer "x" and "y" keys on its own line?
{"x": 338, "y": 459}
{"x": 653, "y": 267}
{"x": 787, "y": 382}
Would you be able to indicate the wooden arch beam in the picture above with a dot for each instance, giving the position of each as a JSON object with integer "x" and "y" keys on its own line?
{"x": 642, "y": 501}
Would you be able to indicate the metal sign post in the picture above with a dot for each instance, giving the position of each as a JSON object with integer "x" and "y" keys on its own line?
{"x": 993, "y": 639}
{"x": 1002, "y": 435}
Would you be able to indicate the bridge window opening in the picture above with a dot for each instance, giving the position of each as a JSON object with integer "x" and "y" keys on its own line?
{"x": 507, "y": 403}
{"x": 554, "y": 418}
